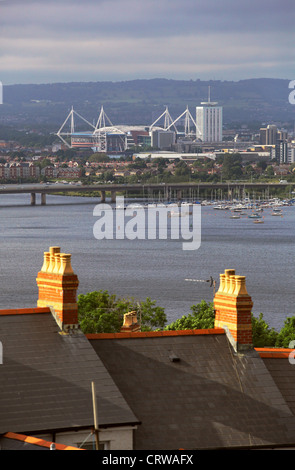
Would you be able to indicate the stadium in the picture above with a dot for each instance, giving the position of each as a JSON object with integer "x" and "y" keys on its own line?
{"x": 107, "y": 138}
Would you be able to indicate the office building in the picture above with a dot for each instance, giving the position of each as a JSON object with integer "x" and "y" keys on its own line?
{"x": 270, "y": 135}
{"x": 162, "y": 139}
{"x": 209, "y": 121}
{"x": 280, "y": 152}
{"x": 291, "y": 155}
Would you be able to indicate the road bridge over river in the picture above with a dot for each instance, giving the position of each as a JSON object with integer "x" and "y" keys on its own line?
{"x": 156, "y": 191}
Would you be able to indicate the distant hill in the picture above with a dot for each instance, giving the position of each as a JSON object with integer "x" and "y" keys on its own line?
{"x": 143, "y": 101}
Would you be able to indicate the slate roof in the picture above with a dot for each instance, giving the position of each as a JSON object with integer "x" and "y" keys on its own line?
{"x": 207, "y": 397}
{"x": 282, "y": 371}
{"x": 185, "y": 389}
{"x": 45, "y": 378}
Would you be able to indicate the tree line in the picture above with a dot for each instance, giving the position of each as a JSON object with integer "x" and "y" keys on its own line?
{"x": 102, "y": 312}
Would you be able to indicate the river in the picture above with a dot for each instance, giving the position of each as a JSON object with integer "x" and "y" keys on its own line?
{"x": 148, "y": 268}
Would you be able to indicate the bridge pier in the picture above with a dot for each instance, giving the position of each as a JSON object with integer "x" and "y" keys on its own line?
{"x": 33, "y": 199}
{"x": 43, "y": 199}
{"x": 179, "y": 194}
{"x": 113, "y": 196}
{"x": 102, "y": 196}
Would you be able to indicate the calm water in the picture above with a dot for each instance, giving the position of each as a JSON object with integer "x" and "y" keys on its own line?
{"x": 148, "y": 268}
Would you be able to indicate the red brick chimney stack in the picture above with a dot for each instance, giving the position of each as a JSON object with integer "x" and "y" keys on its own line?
{"x": 58, "y": 286}
{"x": 130, "y": 324}
{"x": 233, "y": 307}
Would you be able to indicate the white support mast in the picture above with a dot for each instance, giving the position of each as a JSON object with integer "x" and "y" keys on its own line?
{"x": 167, "y": 122}
{"x": 102, "y": 120}
{"x": 71, "y": 117}
{"x": 188, "y": 118}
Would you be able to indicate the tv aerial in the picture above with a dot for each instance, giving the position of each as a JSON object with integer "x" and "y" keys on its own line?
{"x": 211, "y": 280}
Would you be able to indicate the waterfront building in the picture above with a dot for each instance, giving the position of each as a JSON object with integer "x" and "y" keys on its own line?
{"x": 19, "y": 170}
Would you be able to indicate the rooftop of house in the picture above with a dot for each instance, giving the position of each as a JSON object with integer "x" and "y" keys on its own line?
{"x": 191, "y": 389}
{"x": 46, "y": 375}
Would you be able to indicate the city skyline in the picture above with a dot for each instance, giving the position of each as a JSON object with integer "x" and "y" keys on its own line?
{"x": 67, "y": 41}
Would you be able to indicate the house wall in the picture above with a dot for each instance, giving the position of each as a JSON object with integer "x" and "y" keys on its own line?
{"x": 119, "y": 438}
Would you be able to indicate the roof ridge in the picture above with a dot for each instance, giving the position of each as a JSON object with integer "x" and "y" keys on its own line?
{"x": 24, "y": 311}
{"x": 274, "y": 349}
{"x": 279, "y": 353}
{"x": 151, "y": 334}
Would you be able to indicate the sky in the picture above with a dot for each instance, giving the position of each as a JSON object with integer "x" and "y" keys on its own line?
{"x": 49, "y": 41}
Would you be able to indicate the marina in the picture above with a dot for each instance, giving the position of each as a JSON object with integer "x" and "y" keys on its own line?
{"x": 236, "y": 209}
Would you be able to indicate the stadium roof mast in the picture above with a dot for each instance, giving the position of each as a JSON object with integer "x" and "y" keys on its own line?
{"x": 188, "y": 119}
{"x": 102, "y": 119}
{"x": 71, "y": 118}
{"x": 168, "y": 120}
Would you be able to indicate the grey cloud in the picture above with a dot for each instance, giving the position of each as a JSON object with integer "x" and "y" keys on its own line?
{"x": 142, "y": 18}
{"x": 161, "y": 37}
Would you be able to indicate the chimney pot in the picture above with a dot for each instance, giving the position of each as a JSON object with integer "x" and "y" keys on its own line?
{"x": 232, "y": 284}
{"x": 222, "y": 284}
{"x": 240, "y": 286}
{"x": 56, "y": 264}
{"x": 65, "y": 264}
{"x": 46, "y": 261}
{"x": 52, "y": 251}
{"x": 228, "y": 273}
